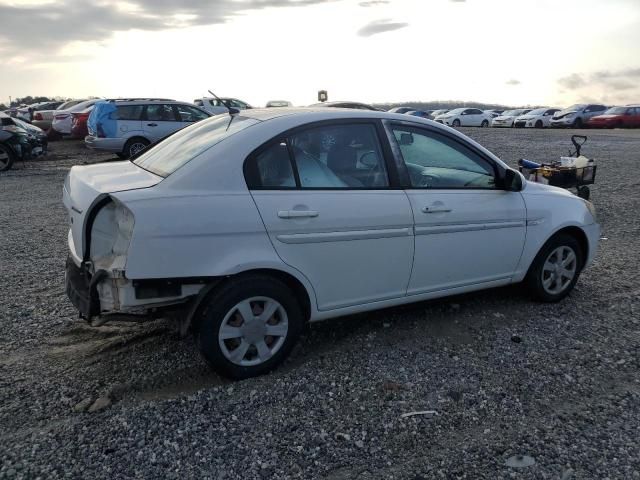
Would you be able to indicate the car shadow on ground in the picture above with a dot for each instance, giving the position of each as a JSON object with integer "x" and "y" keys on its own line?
{"x": 150, "y": 361}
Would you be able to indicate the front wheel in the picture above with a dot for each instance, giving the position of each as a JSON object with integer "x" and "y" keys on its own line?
{"x": 484, "y": 124}
{"x": 7, "y": 157}
{"x": 539, "y": 124}
{"x": 456, "y": 123}
{"x": 577, "y": 123}
{"x": 248, "y": 326}
{"x": 556, "y": 269}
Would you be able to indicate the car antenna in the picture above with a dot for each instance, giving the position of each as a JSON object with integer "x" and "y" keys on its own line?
{"x": 232, "y": 110}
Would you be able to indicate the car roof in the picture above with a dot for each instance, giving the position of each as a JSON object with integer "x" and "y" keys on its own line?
{"x": 142, "y": 100}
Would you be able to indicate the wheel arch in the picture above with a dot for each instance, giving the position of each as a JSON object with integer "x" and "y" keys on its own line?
{"x": 305, "y": 297}
{"x": 571, "y": 230}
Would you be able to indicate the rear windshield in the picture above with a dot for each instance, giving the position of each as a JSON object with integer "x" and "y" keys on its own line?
{"x": 183, "y": 146}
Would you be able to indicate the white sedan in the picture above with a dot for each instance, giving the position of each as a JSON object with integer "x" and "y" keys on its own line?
{"x": 508, "y": 118}
{"x": 538, "y": 118}
{"x": 465, "y": 117}
{"x": 250, "y": 225}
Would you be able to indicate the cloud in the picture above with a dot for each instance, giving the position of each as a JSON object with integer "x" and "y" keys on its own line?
{"x": 572, "y": 81}
{"x": 44, "y": 29}
{"x": 380, "y": 26}
{"x": 373, "y": 3}
{"x": 513, "y": 82}
{"x": 626, "y": 79}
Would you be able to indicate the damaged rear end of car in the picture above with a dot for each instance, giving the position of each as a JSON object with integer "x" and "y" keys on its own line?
{"x": 101, "y": 227}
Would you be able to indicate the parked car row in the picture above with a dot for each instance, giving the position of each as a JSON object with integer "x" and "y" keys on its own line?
{"x": 575, "y": 116}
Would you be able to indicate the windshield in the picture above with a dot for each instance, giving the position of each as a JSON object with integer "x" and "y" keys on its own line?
{"x": 457, "y": 110}
{"x": 511, "y": 113}
{"x": 183, "y": 146}
{"x": 537, "y": 111}
{"x": 616, "y": 111}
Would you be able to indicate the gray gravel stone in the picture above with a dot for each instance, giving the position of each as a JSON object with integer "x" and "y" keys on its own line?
{"x": 563, "y": 395}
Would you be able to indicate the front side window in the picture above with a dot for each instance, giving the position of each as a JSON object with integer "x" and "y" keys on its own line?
{"x": 436, "y": 161}
{"x": 160, "y": 113}
{"x": 339, "y": 156}
{"x": 187, "y": 113}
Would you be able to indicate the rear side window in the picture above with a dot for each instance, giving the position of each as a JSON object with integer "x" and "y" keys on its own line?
{"x": 324, "y": 157}
{"x": 127, "y": 112}
{"x": 271, "y": 168}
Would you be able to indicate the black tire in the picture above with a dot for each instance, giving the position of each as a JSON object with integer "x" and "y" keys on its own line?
{"x": 577, "y": 123}
{"x": 7, "y": 157}
{"x": 222, "y": 301}
{"x": 534, "y": 279}
{"x": 122, "y": 155}
{"x": 539, "y": 124}
{"x": 456, "y": 123}
{"x": 484, "y": 124}
{"x": 134, "y": 145}
{"x": 584, "y": 192}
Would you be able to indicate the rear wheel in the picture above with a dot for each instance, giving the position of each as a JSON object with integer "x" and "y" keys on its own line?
{"x": 134, "y": 145}
{"x": 556, "y": 269}
{"x": 7, "y": 157}
{"x": 248, "y": 326}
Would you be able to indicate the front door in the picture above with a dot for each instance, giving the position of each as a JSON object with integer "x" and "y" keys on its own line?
{"x": 159, "y": 121}
{"x": 331, "y": 212}
{"x": 467, "y": 231}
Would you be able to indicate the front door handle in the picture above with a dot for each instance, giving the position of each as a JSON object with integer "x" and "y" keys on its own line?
{"x": 435, "y": 210}
{"x": 152, "y": 124}
{"x": 297, "y": 214}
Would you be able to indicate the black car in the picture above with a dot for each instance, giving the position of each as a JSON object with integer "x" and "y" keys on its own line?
{"x": 37, "y": 139}
{"x": 14, "y": 142}
{"x": 356, "y": 105}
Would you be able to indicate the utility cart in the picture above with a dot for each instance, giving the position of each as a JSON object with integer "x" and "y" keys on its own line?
{"x": 575, "y": 171}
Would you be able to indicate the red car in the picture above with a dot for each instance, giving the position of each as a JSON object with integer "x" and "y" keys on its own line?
{"x": 79, "y": 123}
{"x": 617, "y": 117}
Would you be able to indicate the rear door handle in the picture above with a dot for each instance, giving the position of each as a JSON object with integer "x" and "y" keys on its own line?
{"x": 435, "y": 210}
{"x": 152, "y": 124}
{"x": 297, "y": 214}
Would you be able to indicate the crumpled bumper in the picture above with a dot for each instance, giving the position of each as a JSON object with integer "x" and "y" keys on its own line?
{"x": 81, "y": 289}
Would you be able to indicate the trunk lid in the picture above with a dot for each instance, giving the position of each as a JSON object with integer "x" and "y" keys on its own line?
{"x": 85, "y": 186}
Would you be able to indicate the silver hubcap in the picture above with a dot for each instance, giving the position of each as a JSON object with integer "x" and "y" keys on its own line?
{"x": 559, "y": 269}
{"x": 253, "y": 331}
{"x": 135, "y": 148}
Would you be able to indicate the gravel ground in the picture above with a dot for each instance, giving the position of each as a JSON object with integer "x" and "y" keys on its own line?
{"x": 505, "y": 376}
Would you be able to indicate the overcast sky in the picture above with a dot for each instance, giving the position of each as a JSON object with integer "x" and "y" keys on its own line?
{"x": 543, "y": 52}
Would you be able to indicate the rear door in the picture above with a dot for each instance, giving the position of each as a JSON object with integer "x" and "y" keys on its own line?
{"x": 128, "y": 120}
{"x": 159, "y": 120}
{"x": 467, "y": 231}
{"x": 334, "y": 212}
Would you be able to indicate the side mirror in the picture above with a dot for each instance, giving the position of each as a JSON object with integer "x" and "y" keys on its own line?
{"x": 406, "y": 139}
{"x": 512, "y": 181}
